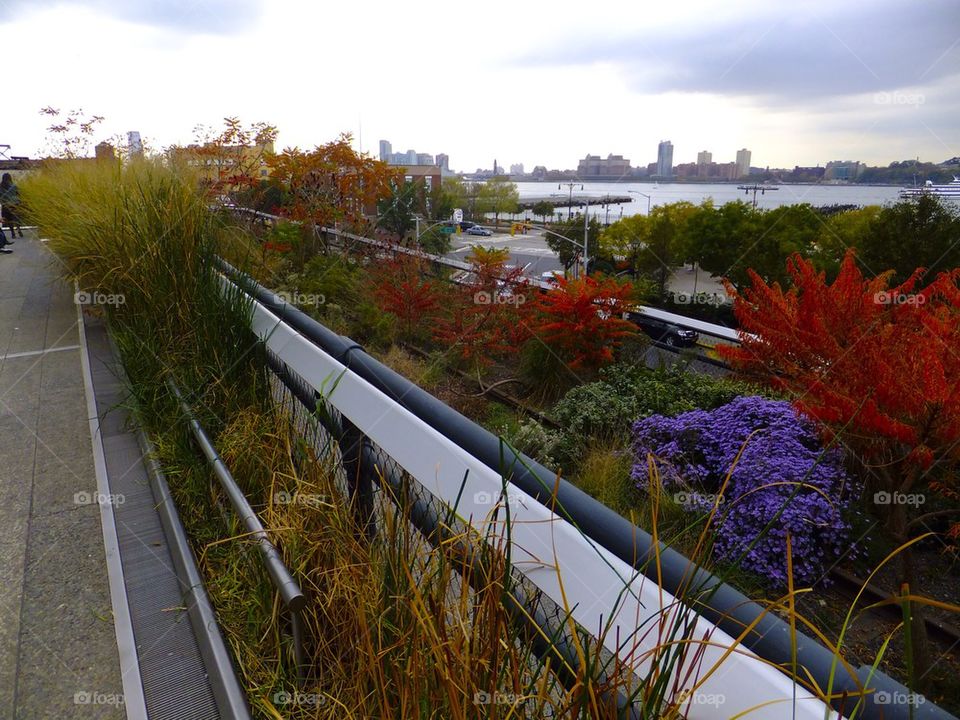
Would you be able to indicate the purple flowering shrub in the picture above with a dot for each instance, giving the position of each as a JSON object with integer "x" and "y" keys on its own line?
{"x": 694, "y": 452}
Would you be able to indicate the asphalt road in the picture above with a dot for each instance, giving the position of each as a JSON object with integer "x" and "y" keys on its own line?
{"x": 527, "y": 251}
{"x": 531, "y": 251}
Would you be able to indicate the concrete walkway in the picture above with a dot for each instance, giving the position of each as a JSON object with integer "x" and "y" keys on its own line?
{"x": 58, "y": 647}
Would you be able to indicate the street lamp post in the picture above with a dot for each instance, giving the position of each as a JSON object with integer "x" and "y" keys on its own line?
{"x": 570, "y": 199}
{"x": 637, "y": 192}
{"x": 586, "y": 221}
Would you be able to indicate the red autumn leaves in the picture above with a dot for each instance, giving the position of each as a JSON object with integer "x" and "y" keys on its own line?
{"x": 492, "y": 313}
{"x": 879, "y": 366}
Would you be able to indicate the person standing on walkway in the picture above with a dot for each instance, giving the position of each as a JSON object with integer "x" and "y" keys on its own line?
{"x": 3, "y": 238}
{"x": 9, "y": 207}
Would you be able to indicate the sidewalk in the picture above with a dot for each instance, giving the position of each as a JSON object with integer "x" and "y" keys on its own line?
{"x": 58, "y": 646}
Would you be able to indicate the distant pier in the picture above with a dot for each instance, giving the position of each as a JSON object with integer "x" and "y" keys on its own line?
{"x": 577, "y": 201}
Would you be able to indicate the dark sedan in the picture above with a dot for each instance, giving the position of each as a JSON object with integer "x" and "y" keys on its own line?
{"x": 664, "y": 332}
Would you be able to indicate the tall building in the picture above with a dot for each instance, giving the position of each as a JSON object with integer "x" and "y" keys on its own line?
{"x": 386, "y": 150}
{"x": 665, "y": 159}
{"x": 704, "y": 160}
{"x": 516, "y": 169}
{"x": 743, "y": 163}
{"x": 424, "y": 159}
{"x": 134, "y": 143}
{"x": 443, "y": 160}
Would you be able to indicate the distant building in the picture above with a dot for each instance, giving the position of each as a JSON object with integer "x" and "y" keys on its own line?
{"x": 704, "y": 161}
{"x": 724, "y": 171}
{"x": 806, "y": 174}
{"x": 842, "y": 170}
{"x": 443, "y": 161}
{"x": 427, "y": 178}
{"x": 386, "y": 150}
{"x": 16, "y": 165}
{"x": 104, "y": 151}
{"x": 593, "y": 166}
{"x": 743, "y": 163}
{"x": 540, "y": 172}
{"x": 516, "y": 169}
{"x": 665, "y": 159}
{"x": 134, "y": 144}
{"x": 686, "y": 170}
{"x": 424, "y": 159}
{"x": 219, "y": 163}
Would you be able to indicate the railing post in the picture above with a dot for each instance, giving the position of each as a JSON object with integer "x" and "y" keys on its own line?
{"x": 354, "y": 445}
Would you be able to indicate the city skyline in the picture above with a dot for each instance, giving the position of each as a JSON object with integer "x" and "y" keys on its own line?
{"x": 797, "y": 85}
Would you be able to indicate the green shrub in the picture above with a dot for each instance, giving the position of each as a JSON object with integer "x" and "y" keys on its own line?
{"x": 543, "y": 371}
{"x": 535, "y": 441}
{"x": 335, "y": 277}
{"x": 373, "y": 326}
{"x": 604, "y": 410}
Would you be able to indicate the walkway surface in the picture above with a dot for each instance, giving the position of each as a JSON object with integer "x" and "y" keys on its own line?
{"x": 58, "y": 646}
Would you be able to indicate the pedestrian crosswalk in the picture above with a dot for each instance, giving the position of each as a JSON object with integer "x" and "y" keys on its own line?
{"x": 525, "y": 249}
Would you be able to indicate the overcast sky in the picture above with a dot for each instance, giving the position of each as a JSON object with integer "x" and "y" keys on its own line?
{"x": 533, "y": 82}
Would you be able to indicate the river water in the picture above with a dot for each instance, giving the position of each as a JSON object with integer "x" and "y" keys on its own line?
{"x": 664, "y": 193}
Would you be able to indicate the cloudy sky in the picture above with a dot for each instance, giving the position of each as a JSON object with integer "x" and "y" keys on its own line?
{"x": 531, "y": 82}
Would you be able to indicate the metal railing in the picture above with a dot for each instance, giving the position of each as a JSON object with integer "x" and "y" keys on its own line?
{"x": 293, "y": 598}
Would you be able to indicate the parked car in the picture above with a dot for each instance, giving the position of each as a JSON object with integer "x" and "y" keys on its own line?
{"x": 464, "y": 225}
{"x": 477, "y": 230}
{"x": 663, "y": 331}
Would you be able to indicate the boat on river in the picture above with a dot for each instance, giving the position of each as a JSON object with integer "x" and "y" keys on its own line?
{"x": 950, "y": 190}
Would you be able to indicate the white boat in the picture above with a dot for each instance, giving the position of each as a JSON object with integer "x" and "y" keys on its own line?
{"x": 950, "y": 190}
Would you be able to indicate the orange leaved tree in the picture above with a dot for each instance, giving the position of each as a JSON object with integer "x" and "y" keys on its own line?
{"x": 582, "y": 320}
{"x": 332, "y": 183}
{"x": 878, "y": 368}
{"x": 486, "y": 315}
